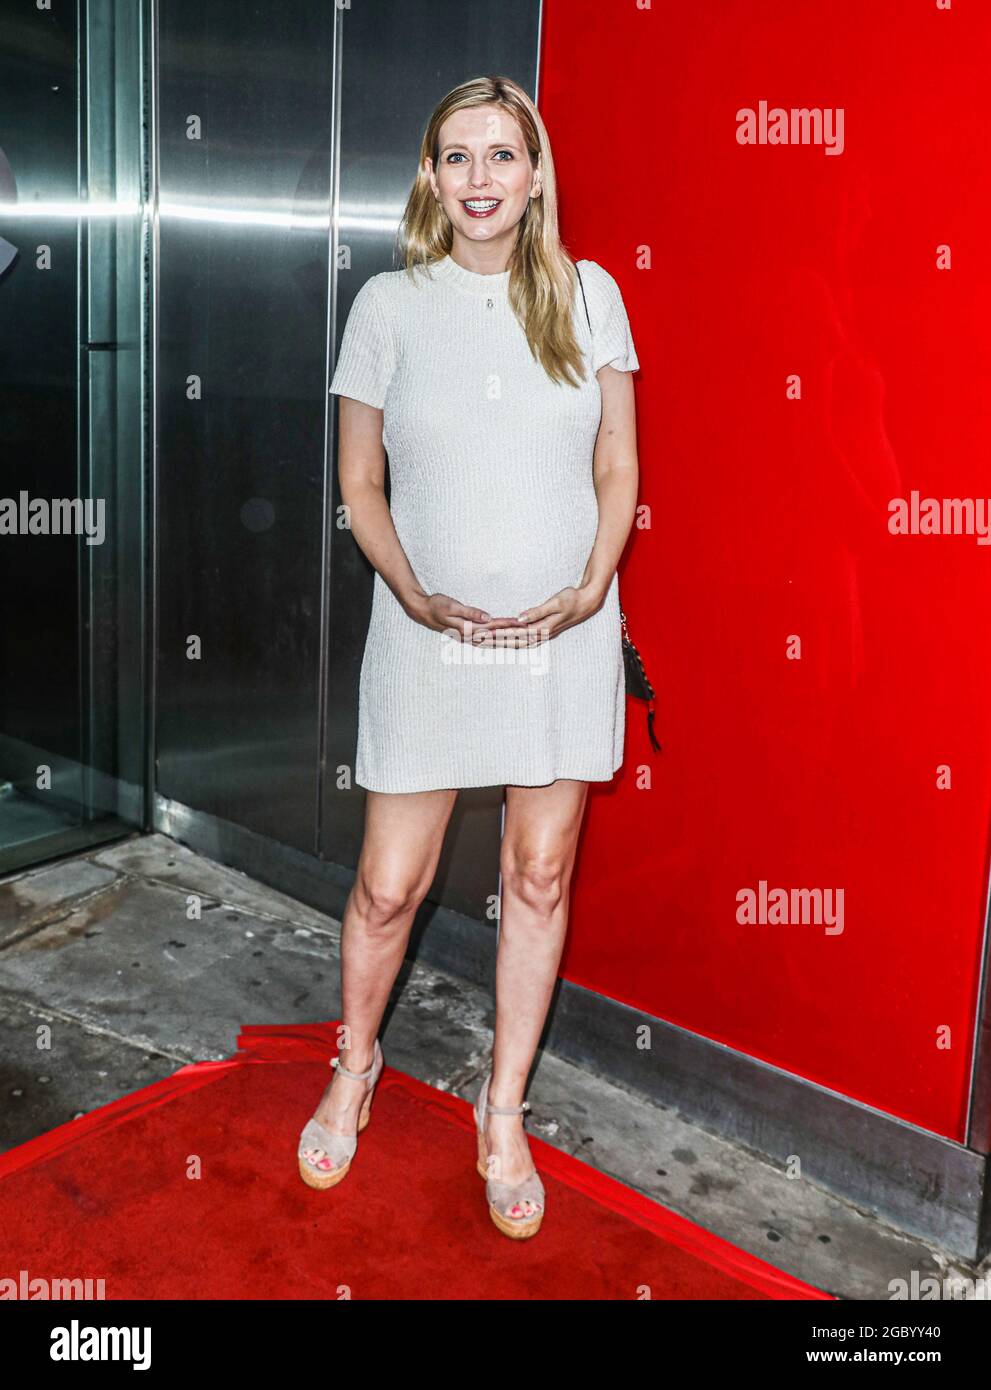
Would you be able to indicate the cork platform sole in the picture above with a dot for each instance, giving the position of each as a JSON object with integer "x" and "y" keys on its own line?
{"x": 315, "y": 1177}
{"x": 517, "y": 1228}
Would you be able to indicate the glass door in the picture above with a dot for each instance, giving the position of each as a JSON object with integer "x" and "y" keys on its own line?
{"x": 73, "y": 334}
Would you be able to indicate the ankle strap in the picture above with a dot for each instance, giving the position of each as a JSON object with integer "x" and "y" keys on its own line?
{"x": 354, "y": 1075}
{"x": 507, "y": 1109}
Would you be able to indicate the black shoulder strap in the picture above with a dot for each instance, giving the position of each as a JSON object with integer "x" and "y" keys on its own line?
{"x": 584, "y": 300}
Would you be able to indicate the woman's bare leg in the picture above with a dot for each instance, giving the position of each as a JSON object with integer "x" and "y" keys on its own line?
{"x": 540, "y": 838}
{"x": 400, "y": 850}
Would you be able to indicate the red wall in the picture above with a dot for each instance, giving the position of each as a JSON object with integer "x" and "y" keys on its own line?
{"x": 769, "y": 517}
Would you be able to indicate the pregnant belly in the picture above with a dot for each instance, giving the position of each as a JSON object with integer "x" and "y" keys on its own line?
{"x": 502, "y": 561}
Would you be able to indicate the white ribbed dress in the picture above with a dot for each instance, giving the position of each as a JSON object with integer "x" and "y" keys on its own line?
{"x": 490, "y": 465}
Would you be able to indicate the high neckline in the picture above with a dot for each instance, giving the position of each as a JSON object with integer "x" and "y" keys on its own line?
{"x": 471, "y": 281}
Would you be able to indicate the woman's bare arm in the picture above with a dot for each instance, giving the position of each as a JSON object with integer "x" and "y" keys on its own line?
{"x": 361, "y": 469}
{"x": 616, "y": 473}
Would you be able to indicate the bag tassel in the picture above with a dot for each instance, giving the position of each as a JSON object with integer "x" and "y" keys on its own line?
{"x": 650, "y": 728}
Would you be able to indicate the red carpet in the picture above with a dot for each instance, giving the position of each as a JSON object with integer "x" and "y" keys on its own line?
{"x": 111, "y": 1196}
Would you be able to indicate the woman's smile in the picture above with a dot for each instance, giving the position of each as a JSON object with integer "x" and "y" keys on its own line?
{"x": 481, "y": 207}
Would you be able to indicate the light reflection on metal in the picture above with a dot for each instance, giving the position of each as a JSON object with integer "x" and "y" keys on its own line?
{"x": 364, "y": 220}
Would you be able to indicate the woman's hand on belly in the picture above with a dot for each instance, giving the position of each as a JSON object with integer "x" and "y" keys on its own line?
{"x": 442, "y": 613}
{"x": 567, "y": 608}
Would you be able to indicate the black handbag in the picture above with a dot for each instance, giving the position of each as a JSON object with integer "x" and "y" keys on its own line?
{"x": 637, "y": 683}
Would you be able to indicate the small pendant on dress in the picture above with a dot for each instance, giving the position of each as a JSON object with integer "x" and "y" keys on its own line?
{"x": 488, "y": 303}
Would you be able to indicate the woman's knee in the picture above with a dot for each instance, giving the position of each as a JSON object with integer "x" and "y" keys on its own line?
{"x": 538, "y": 878}
{"x": 384, "y": 899}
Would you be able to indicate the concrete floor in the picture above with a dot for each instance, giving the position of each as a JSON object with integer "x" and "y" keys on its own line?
{"x": 100, "y": 947}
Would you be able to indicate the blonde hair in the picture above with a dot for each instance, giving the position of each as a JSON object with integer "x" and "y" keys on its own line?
{"x": 542, "y": 282}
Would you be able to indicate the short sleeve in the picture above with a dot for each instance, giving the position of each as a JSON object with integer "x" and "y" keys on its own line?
{"x": 367, "y": 358}
{"x": 612, "y": 341}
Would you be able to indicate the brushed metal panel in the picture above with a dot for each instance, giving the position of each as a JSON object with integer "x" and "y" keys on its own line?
{"x": 243, "y": 236}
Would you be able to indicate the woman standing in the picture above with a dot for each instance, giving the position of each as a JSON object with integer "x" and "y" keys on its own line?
{"x": 498, "y": 382}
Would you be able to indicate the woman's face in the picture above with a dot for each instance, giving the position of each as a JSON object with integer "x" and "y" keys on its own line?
{"x": 484, "y": 176}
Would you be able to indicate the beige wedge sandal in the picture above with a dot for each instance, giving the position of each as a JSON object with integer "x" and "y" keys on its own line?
{"x": 503, "y": 1197}
{"x": 324, "y": 1158}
